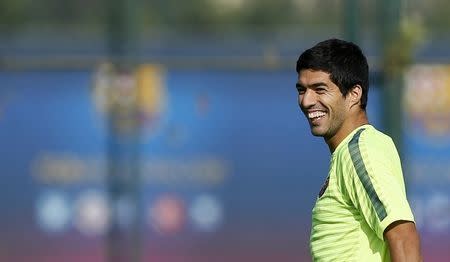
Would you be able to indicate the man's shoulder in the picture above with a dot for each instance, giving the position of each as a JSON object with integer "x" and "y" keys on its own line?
{"x": 374, "y": 139}
{"x": 373, "y": 146}
{"x": 368, "y": 139}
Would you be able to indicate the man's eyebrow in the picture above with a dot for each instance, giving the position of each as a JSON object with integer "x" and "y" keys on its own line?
{"x": 313, "y": 85}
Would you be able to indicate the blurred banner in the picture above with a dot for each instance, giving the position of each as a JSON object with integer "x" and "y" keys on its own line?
{"x": 223, "y": 163}
{"x": 427, "y": 155}
{"x": 207, "y": 158}
{"x": 228, "y": 169}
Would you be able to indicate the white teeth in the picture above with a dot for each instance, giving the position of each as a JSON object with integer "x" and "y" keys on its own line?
{"x": 315, "y": 114}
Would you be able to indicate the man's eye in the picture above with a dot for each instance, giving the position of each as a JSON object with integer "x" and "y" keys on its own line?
{"x": 320, "y": 90}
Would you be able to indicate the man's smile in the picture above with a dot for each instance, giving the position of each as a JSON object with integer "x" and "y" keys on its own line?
{"x": 315, "y": 116}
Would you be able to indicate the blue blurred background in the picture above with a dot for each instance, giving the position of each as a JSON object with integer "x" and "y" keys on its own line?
{"x": 170, "y": 130}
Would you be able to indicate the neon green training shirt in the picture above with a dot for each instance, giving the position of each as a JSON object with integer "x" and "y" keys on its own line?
{"x": 363, "y": 194}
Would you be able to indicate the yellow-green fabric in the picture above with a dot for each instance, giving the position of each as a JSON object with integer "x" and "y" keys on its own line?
{"x": 365, "y": 194}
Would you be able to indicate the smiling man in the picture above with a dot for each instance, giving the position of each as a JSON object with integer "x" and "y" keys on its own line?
{"x": 361, "y": 213}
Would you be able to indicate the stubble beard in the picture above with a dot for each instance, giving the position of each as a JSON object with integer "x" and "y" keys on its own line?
{"x": 328, "y": 129}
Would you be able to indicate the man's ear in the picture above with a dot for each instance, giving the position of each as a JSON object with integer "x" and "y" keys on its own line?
{"x": 354, "y": 95}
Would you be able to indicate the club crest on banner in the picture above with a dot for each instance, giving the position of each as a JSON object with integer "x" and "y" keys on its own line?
{"x": 133, "y": 100}
{"x": 427, "y": 101}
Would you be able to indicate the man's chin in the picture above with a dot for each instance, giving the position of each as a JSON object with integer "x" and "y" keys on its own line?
{"x": 315, "y": 131}
{"x": 317, "y": 134}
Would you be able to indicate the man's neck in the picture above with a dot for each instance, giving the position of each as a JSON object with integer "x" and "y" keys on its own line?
{"x": 348, "y": 126}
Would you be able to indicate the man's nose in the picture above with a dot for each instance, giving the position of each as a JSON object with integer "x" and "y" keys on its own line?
{"x": 307, "y": 99}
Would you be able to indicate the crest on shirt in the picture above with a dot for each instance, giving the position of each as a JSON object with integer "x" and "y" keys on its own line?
{"x": 324, "y": 187}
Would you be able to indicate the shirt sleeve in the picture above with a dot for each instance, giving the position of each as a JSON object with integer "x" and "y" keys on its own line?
{"x": 375, "y": 183}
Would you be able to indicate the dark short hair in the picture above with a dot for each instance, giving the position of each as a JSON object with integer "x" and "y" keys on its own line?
{"x": 344, "y": 61}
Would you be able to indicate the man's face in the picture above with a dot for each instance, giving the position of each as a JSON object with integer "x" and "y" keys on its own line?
{"x": 322, "y": 103}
